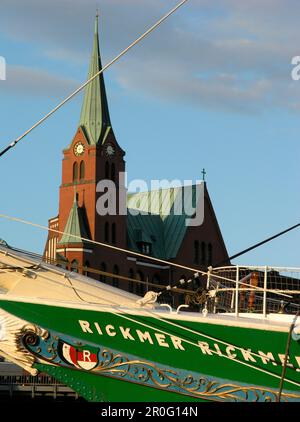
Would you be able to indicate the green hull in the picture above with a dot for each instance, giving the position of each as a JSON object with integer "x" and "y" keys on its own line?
{"x": 117, "y": 356}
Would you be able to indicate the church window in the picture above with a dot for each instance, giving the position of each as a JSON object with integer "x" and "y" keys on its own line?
{"x": 140, "y": 288}
{"x": 145, "y": 248}
{"x": 82, "y": 171}
{"x": 196, "y": 252}
{"x": 86, "y": 268}
{"x": 203, "y": 253}
{"x": 210, "y": 254}
{"x": 106, "y": 232}
{"x": 130, "y": 285}
{"x": 103, "y": 269}
{"x": 156, "y": 280}
{"x": 113, "y": 233}
{"x": 115, "y": 280}
{"x": 75, "y": 172}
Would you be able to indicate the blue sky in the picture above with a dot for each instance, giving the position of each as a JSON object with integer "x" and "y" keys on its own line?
{"x": 211, "y": 88}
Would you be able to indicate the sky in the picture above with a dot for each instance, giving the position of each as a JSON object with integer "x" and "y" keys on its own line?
{"x": 211, "y": 88}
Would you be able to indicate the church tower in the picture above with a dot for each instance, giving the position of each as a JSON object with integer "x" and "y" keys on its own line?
{"x": 88, "y": 210}
{"x": 93, "y": 156}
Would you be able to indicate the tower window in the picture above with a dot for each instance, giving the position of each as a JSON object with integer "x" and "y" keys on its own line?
{"x": 115, "y": 281}
{"x": 82, "y": 171}
{"x": 113, "y": 233}
{"x": 106, "y": 232}
{"x": 107, "y": 170}
{"x": 75, "y": 172}
{"x": 113, "y": 172}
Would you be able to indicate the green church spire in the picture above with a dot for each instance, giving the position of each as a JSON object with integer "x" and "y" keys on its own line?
{"x": 94, "y": 116}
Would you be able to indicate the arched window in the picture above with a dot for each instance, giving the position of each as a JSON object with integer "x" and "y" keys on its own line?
{"x": 107, "y": 170}
{"x": 115, "y": 280}
{"x": 106, "y": 232}
{"x": 113, "y": 233}
{"x": 75, "y": 172}
{"x": 113, "y": 172}
{"x": 155, "y": 280}
{"x": 103, "y": 276}
{"x": 203, "y": 253}
{"x": 82, "y": 170}
{"x": 140, "y": 288}
{"x": 130, "y": 284}
{"x": 196, "y": 252}
{"x": 210, "y": 254}
{"x": 74, "y": 266}
{"x": 86, "y": 268}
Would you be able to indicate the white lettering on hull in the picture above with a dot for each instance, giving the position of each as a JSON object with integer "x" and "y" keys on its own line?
{"x": 126, "y": 333}
{"x": 161, "y": 340}
{"x": 247, "y": 355}
{"x": 110, "y": 329}
{"x": 85, "y": 326}
{"x": 229, "y": 351}
{"x": 144, "y": 336}
{"x": 166, "y": 341}
{"x": 205, "y": 348}
{"x": 267, "y": 357}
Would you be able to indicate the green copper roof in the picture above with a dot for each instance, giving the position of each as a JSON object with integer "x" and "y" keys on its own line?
{"x": 75, "y": 226}
{"x": 94, "y": 116}
{"x": 160, "y": 220}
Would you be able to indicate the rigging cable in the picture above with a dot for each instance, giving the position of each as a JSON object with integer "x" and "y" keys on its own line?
{"x": 259, "y": 244}
{"x": 144, "y": 35}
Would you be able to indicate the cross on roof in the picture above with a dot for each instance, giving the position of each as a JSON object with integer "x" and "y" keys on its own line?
{"x": 203, "y": 175}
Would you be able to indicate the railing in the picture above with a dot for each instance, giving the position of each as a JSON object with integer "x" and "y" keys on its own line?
{"x": 15, "y": 382}
{"x": 262, "y": 290}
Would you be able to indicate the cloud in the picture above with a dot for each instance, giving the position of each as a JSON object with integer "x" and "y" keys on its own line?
{"x": 227, "y": 54}
{"x": 23, "y": 80}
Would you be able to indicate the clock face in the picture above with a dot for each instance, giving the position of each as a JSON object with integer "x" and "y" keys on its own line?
{"x": 110, "y": 150}
{"x": 79, "y": 148}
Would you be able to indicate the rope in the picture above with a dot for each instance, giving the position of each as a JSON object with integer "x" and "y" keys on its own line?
{"x": 144, "y": 35}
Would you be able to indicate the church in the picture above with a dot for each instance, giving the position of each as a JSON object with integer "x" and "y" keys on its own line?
{"x": 151, "y": 228}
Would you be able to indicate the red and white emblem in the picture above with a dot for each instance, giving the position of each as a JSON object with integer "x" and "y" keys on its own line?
{"x": 84, "y": 357}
